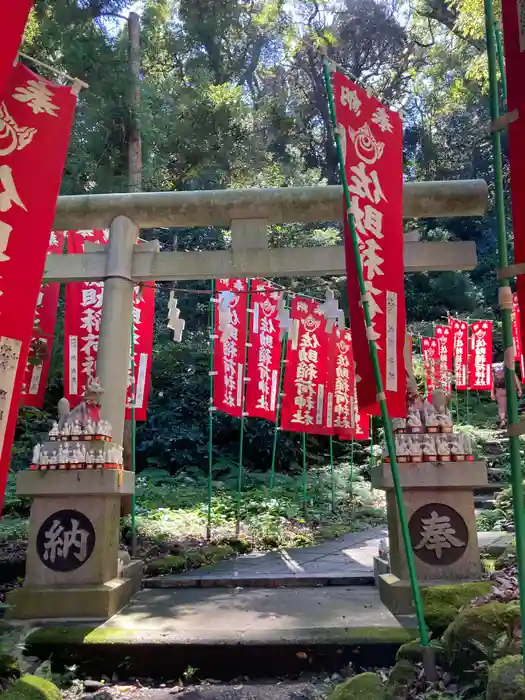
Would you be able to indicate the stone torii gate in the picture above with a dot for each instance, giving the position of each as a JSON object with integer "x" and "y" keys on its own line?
{"x": 94, "y": 589}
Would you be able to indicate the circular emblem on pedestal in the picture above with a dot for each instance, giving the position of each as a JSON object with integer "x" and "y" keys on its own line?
{"x": 438, "y": 533}
{"x": 65, "y": 540}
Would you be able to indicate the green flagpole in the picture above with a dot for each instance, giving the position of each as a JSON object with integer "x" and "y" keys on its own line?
{"x": 332, "y": 472}
{"x": 133, "y": 440}
{"x": 278, "y": 413}
{"x": 427, "y": 651}
{"x": 501, "y": 62}
{"x": 210, "y": 411}
{"x": 505, "y": 304}
{"x": 240, "y": 473}
{"x": 352, "y": 471}
{"x": 305, "y": 474}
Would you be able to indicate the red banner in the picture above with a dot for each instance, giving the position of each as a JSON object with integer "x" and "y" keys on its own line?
{"x": 14, "y": 17}
{"x": 82, "y": 328}
{"x": 431, "y": 363}
{"x": 513, "y": 17}
{"x": 445, "y": 347}
{"x": 229, "y": 353}
{"x": 480, "y": 360}
{"x": 35, "y": 126}
{"x": 143, "y": 317}
{"x": 264, "y": 353}
{"x": 82, "y": 321}
{"x": 340, "y": 383}
{"x": 304, "y": 400}
{"x": 372, "y": 140}
{"x": 460, "y": 352}
{"x": 39, "y": 358}
{"x": 516, "y": 336}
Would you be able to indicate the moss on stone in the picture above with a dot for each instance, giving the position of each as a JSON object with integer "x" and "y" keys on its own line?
{"x": 402, "y": 675}
{"x": 365, "y": 686}
{"x": 476, "y": 631}
{"x": 411, "y": 651}
{"x": 506, "y": 679}
{"x": 32, "y": 688}
{"x": 507, "y": 558}
{"x": 166, "y": 565}
{"x": 9, "y": 666}
{"x": 442, "y": 603}
{"x": 77, "y": 635}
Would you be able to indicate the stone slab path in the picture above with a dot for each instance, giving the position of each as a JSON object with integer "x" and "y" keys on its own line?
{"x": 342, "y": 562}
{"x": 345, "y": 561}
{"x": 193, "y": 616}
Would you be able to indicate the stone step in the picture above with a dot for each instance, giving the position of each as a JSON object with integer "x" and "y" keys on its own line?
{"x": 225, "y": 633}
{"x": 263, "y": 580}
{"x": 484, "y": 502}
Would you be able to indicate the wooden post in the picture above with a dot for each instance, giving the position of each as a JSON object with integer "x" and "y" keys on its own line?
{"x": 135, "y": 142}
{"x": 135, "y": 178}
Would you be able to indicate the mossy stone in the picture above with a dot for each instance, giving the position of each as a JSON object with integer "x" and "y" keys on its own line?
{"x": 412, "y": 651}
{"x": 507, "y": 558}
{"x": 8, "y": 667}
{"x": 365, "y": 686}
{"x": 402, "y": 675}
{"x": 442, "y": 603}
{"x": 167, "y": 564}
{"x": 506, "y": 679}
{"x": 33, "y": 688}
{"x": 475, "y": 632}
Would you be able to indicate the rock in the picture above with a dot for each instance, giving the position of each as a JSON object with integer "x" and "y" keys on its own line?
{"x": 476, "y": 632}
{"x": 104, "y": 694}
{"x": 90, "y": 686}
{"x": 365, "y": 686}
{"x": 506, "y": 679}
{"x": 507, "y": 558}
{"x": 442, "y": 603}
{"x": 411, "y": 651}
{"x": 9, "y": 667}
{"x": 402, "y": 675}
{"x": 32, "y": 688}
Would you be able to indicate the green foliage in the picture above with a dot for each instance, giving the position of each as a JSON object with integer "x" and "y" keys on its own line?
{"x": 232, "y": 96}
{"x": 33, "y": 688}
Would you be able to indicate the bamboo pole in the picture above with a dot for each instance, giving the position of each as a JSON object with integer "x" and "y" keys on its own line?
{"x": 428, "y": 654}
{"x": 210, "y": 411}
{"x": 505, "y": 303}
{"x": 240, "y": 472}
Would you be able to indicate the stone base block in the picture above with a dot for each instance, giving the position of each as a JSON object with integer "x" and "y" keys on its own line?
{"x": 75, "y": 602}
{"x": 134, "y": 571}
{"x": 395, "y": 594}
{"x": 381, "y": 566}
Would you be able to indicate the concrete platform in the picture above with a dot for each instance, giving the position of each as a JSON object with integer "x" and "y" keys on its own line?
{"x": 226, "y": 633}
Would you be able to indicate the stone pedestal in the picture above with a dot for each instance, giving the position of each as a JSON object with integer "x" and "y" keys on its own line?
{"x": 72, "y": 567}
{"x": 439, "y": 502}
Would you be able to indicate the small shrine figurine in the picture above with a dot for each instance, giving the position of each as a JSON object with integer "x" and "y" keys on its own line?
{"x": 415, "y": 451}
{"x": 89, "y": 430}
{"x": 466, "y": 443}
{"x": 87, "y": 409}
{"x": 429, "y": 449}
{"x": 99, "y": 459}
{"x": 399, "y": 425}
{"x": 414, "y": 424}
{"x": 443, "y": 449}
{"x": 429, "y": 413}
{"x": 445, "y": 422}
{"x": 384, "y": 454}
{"x": 76, "y": 431}
{"x": 456, "y": 448}
{"x": 403, "y": 444}
{"x": 44, "y": 460}
{"x": 53, "y": 460}
{"x": 53, "y": 433}
{"x": 90, "y": 459}
{"x": 63, "y": 457}
{"x": 35, "y": 461}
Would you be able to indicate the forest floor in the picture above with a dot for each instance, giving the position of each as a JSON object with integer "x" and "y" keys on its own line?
{"x": 172, "y": 517}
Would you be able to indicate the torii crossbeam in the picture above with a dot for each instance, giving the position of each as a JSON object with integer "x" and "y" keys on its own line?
{"x": 248, "y": 212}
